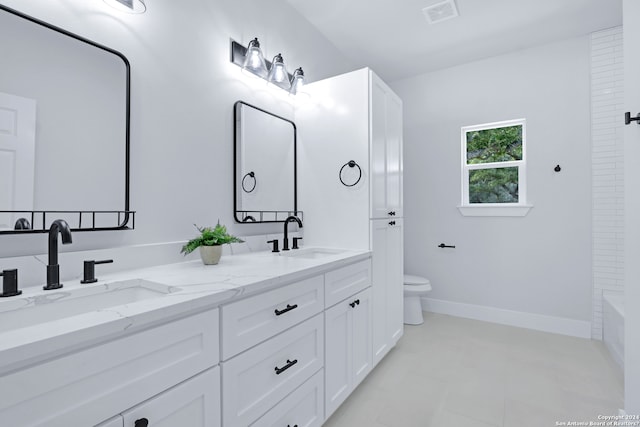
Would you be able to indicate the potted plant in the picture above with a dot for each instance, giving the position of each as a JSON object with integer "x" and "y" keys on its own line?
{"x": 209, "y": 242}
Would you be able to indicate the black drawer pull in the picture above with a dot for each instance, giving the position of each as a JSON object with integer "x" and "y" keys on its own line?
{"x": 142, "y": 422}
{"x": 289, "y": 425}
{"x": 392, "y": 223}
{"x": 354, "y": 303}
{"x": 392, "y": 213}
{"x": 289, "y": 364}
{"x": 284, "y": 310}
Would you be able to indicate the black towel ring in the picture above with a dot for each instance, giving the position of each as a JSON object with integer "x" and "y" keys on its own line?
{"x": 255, "y": 181}
{"x": 351, "y": 164}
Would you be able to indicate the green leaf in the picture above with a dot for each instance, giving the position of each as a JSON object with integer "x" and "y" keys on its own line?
{"x": 209, "y": 237}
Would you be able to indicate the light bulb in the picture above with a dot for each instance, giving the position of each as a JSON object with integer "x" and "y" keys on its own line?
{"x": 254, "y": 60}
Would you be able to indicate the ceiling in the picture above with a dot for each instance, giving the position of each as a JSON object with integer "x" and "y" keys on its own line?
{"x": 393, "y": 36}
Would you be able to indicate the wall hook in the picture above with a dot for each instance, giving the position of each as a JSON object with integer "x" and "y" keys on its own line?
{"x": 557, "y": 168}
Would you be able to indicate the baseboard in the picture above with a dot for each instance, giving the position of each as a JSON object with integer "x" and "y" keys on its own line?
{"x": 539, "y": 322}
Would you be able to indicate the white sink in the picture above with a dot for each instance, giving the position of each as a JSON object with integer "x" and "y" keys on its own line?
{"x": 312, "y": 253}
{"x": 21, "y": 312}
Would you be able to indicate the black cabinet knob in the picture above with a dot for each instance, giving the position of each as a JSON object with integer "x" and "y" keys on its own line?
{"x": 392, "y": 213}
{"x": 392, "y": 223}
{"x": 142, "y": 422}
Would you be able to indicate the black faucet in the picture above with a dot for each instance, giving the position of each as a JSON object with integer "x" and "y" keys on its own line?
{"x": 285, "y": 242}
{"x": 53, "y": 269}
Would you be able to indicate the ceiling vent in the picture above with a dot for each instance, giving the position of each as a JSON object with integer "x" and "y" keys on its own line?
{"x": 440, "y": 11}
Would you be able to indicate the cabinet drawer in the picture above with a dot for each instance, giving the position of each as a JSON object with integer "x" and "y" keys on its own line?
{"x": 91, "y": 385}
{"x": 346, "y": 281}
{"x": 193, "y": 403}
{"x": 304, "y": 407}
{"x": 254, "y": 381}
{"x": 250, "y": 321}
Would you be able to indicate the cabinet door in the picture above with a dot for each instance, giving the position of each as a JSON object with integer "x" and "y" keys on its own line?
{"x": 379, "y": 238}
{"x": 338, "y": 357}
{"x": 395, "y": 281}
{"x": 361, "y": 340}
{"x": 387, "y": 289}
{"x": 386, "y": 151}
{"x": 378, "y": 128}
{"x": 393, "y": 139}
{"x": 193, "y": 403}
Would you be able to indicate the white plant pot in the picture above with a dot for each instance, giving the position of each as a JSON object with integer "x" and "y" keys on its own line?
{"x": 210, "y": 254}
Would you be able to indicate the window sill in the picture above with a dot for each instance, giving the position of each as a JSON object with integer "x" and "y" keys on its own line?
{"x": 493, "y": 210}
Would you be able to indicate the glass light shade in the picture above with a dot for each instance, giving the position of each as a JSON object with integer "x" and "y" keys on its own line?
{"x": 297, "y": 81}
{"x": 278, "y": 72}
{"x": 254, "y": 59}
{"x": 127, "y": 6}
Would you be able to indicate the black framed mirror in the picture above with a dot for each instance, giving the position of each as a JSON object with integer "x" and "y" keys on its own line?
{"x": 265, "y": 166}
{"x": 64, "y": 129}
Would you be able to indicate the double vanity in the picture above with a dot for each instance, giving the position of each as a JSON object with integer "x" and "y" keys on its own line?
{"x": 261, "y": 339}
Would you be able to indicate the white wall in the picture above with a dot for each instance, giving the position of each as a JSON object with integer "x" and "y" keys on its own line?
{"x": 536, "y": 264}
{"x": 631, "y": 31}
{"x": 607, "y": 161}
{"x": 183, "y": 90}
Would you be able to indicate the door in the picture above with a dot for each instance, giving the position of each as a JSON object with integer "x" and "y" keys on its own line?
{"x": 378, "y": 126}
{"x": 17, "y": 155}
{"x": 631, "y": 34}
{"x": 393, "y": 177}
{"x": 193, "y": 403}
{"x": 361, "y": 340}
{"x": 338, "y": 355}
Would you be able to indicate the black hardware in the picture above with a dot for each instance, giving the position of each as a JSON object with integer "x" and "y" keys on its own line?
{"x": 248, "y": 218}
{"x": 628, "y": 119}
{"x": 22, "y": 224}
{"x": 259, "y": 216}
{"x": 122, "y": 225}
{"x": 89, "y": 275}
{"x": 295, "y": 242}
{"x": 9, "y": 283}
{"x": 275, "y": 245}
{"x": 354, "y": 303}
{"x": 236, "y": 169}
{"x": 285, "y": 310}
{"x": 557, "y": 168}
{"x": 392, "y": 213}
{"x": 351, "y": 164}
{"x": 442, "y": 245}
{"x": 358, "y": 302}
{"x": 142, "y": 422}
{"x": 392, "y": 223}
{"x": 285, "y": 241}
{"x": 289, "y": 364}
{"x": 289, "y": 425}
{"x": 53, "y": 269}
{"x": 255, "y": 181}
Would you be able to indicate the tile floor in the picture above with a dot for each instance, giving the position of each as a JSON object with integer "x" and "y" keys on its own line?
{"x": 454, "y": 372}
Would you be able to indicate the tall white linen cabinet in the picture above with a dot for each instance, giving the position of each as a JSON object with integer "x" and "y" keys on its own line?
{"x": 356, "y": 117}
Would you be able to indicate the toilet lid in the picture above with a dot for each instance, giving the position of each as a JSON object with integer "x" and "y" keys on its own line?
{"x": 415, "y": 280}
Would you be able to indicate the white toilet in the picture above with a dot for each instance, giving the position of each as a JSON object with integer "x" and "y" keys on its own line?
{"x": 415, "y": 287}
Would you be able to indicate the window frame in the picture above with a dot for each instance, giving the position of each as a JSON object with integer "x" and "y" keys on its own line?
{"x": 520, "y": 208}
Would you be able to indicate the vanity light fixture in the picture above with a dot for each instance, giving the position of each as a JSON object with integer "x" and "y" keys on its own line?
{"x": 251, "y": 60}
{"x": 254, "y": 59}
{"x": 128, "y": 6}
{"x": 297, "y": 81}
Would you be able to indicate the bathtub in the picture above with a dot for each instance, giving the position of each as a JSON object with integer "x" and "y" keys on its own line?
{"x": 613, "y": 325}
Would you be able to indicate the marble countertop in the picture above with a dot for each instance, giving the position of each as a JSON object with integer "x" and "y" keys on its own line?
{"x": 192, "y": 287}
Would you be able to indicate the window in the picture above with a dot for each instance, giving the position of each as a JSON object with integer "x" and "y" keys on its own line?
{"x": 494, "y": 169}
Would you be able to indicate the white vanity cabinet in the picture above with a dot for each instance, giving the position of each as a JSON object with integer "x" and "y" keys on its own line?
{"x": 193, "y": 403}
{"x": 348, "y": 356}
{"x": 85, "y": 387}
